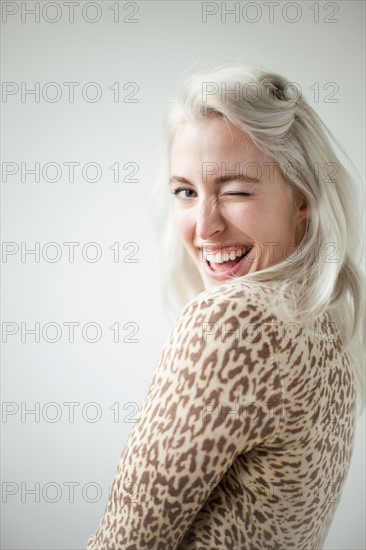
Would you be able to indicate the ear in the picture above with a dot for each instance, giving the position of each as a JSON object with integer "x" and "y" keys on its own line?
{"x": 301, "y": 205}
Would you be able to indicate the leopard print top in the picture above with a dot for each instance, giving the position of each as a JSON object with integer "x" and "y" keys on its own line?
{"x": 244, "y": 438}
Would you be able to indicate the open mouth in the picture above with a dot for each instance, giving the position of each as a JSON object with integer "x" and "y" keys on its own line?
{"x": 228, "y": 267}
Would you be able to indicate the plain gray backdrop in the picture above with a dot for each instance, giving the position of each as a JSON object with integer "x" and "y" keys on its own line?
{"x": 124, "y": 59}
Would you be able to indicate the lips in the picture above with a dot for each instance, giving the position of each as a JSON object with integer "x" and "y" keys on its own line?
{"x": 222, "y": 271}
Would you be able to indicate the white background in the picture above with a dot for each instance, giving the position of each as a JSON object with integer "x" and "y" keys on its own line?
{"x": 165, "y": 42}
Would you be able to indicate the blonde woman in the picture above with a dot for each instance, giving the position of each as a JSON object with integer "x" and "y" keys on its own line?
{"x": 246, "y": 432}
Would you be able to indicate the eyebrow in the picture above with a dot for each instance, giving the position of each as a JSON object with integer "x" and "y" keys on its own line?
{"x": 220, "y": 179}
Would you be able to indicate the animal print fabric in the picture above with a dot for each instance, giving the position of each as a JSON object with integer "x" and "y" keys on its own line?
{"x": 245, "y": 435}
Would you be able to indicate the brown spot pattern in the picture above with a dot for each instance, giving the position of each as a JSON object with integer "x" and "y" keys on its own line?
{"x": 242, "y": 443}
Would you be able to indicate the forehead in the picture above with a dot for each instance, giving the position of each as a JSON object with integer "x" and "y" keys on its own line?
{"x": 214, "y": 140}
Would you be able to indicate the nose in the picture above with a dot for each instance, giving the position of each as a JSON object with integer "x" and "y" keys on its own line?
{"x": 209, "y": 220}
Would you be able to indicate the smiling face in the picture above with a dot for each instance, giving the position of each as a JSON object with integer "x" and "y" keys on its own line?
{"x": 232, "y": 206}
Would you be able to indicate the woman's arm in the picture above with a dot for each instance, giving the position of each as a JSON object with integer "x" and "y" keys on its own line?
{"x": 194, "y": 421}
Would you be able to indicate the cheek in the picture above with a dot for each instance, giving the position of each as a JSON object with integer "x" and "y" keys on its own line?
{"x": 240, "y": 211}
{"x": 270, "y": 220}
{"x": 247, "y": 218}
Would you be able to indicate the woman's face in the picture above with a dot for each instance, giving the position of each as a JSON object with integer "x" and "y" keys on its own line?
{"x": 228, "y": 221}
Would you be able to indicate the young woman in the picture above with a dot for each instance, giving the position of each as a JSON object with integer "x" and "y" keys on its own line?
{"x": 245, "y": 435}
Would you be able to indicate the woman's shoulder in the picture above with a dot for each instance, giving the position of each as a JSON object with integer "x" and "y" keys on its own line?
{"x": 243, "y": 313}
{"x": 245, "y": 299}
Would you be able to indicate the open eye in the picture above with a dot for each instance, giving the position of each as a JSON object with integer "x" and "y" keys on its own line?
{"x": 179, "y": 189}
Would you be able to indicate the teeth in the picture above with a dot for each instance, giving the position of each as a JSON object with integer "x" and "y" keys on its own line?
{"x": 221, "y": 257}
